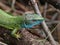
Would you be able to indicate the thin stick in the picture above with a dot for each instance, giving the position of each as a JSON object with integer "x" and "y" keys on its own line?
{"x": 52, "y": 31}
{"x": 5, "y": 7}
{"x": 45, "y": 9}
{"x": 13, "y": 4}
{"x": 54, "y": 16}
{"x": 43, "y": 23}
{"x": 21, "y": 6}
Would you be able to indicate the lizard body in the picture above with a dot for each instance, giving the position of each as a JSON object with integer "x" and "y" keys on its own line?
{"x": 17, "y": 22}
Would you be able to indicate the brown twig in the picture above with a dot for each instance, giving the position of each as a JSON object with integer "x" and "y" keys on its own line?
{"x": 43, "y": 23}
{"x": 5, "y": 7}
{"x": 21, "y": 6}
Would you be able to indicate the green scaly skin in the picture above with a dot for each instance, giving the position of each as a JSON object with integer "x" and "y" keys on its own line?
{"x": 11, "y": 22}
{"x": 14, "y": 22}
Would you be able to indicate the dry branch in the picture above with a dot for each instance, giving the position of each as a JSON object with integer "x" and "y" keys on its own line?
{"x": 4, "y": 7}
{"x": 43, "y": 23}
{"x": 21, "y": 6}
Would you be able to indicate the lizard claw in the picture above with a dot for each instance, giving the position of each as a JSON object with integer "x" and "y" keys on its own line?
{"x": 18, "y": 35}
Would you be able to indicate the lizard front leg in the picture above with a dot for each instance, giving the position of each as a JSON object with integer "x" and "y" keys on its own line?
{"x": 15, "y": 34}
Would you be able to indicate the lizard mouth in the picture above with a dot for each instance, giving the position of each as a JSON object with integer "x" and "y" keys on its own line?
{"x": 37, "y": 20}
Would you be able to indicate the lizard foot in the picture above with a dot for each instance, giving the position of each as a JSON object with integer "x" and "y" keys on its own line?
{"x": 18, "y": 35}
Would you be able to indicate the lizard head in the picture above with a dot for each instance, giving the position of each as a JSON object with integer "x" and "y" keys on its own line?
{"x": 31, "y": 20}
{"x": 33, "y": 17}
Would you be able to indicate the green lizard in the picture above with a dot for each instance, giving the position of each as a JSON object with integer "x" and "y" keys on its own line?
{"x": 17, "y": 22}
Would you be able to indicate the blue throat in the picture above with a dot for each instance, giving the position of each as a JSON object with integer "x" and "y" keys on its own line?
{"x": 30, "y": 25}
